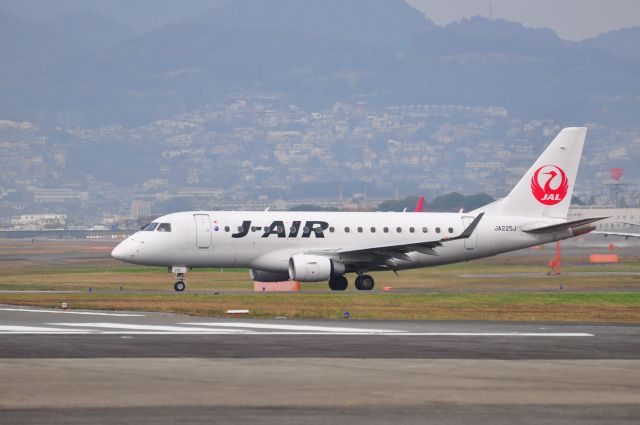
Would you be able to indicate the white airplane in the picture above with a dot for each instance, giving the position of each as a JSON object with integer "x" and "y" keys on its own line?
{"x": 324, "y": 246}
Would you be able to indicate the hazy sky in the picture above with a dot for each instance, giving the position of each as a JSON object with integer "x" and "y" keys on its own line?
{"x": 570, "y": 19}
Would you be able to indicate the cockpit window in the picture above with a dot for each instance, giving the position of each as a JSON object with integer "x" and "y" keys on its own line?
{"x": 164, "y": 227}
{"x": 149, "y": 227}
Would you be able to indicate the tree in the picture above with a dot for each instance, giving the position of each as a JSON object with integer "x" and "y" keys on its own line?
{"x": 577, "y": 201}
{"x": 391, "y": 205}
{"x": 450, "y": 202}
{"x": 311, "y": 207}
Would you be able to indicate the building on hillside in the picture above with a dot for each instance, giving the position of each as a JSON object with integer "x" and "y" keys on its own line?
{"x": 47, "y": 196}
{"x": 140, "y": 208}
{"x": 39, "y": 222}
{"x": 620, "y": 219}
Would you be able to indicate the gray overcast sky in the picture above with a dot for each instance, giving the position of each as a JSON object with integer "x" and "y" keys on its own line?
{"x": 570, "y": 19}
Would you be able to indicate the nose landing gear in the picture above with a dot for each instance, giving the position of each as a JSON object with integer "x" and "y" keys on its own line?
{"x": 180, "y": 284}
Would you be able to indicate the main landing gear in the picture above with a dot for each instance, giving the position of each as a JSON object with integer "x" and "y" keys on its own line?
{"x": 363, "y": 282}
{"x": 180, "y": 284}
{"x": 338, "y": 283}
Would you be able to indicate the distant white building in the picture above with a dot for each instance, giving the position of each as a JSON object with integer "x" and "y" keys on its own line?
{"x": 140, "y": 209}
{"x": 59, "y": 195}
{"x": 39, "y": 221}
{"x": 620, "y": 219}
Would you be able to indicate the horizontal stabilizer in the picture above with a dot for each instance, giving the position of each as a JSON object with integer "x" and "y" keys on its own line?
{"x": 538, "y": 228}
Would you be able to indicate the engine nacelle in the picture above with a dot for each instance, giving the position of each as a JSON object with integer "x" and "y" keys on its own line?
{"x": 313, "y": 268}
{"x": 264, "y": 276}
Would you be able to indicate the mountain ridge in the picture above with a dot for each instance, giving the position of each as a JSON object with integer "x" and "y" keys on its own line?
{"x": 99, "y": 72}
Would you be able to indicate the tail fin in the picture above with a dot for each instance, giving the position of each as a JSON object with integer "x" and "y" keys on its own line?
{"x": 546, "y": 189}
{"x": 420, "y": 204}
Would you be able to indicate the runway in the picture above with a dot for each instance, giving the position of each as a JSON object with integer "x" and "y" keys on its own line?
{"x": 124, "y": 367}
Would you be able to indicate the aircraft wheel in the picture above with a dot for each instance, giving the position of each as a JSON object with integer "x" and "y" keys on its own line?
{"x": 179, "y": 286}
{"x": 338, "y": 283}
{"x": 364, "y": 283}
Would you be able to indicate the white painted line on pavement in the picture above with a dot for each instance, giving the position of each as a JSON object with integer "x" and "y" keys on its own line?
{"x": 32, "y": 329}
{"x": 157, "y": 328}
{"x": 510, "y": 334}
{"x": 291, "y": 327}
{"x": 86, "y": 313}
{"x": 21, "y": 330}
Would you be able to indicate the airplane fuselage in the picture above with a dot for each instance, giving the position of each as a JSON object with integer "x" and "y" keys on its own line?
{"x": 267, "y": 240}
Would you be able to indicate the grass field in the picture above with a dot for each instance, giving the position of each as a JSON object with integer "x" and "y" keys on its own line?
{"x": 510, "y": 287}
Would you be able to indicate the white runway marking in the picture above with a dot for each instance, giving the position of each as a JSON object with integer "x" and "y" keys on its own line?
{"x": 156, "y": 328}
{"x": 291, "y": 327}
{"x": 84, "y": 313}
{"x": 514, "y": 334}
{"x": 134, "y": 329}
{"x": 32, "y": 330}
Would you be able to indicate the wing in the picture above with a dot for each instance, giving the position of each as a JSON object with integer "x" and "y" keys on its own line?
{"x": 383, "y": 253}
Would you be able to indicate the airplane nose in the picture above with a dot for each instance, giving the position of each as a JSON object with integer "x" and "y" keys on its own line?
{"x": 123, "y": 251}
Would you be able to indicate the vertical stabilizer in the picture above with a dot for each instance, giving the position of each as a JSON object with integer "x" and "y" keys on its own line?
{"x": 546, "y": 189}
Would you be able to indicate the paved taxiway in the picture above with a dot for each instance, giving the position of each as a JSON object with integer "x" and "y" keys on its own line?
{"x": 125, "y": 367}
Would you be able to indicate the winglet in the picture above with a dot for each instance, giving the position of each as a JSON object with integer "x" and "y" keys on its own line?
{"x": 470, "y": 228}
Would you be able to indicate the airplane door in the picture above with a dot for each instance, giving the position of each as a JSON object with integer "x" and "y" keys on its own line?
{"x": 472, "y": 241}
{"x": 203, "y": 230}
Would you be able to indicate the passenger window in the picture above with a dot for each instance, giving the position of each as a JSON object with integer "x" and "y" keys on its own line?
{"x": 164, "y": 227}
{"x": 331, "y": 229}
{"x": 346, "y": 230}
{"x": 411, "y": 229}
{"x": 149, "y": 227}
{"x": 450, "y": 229}
{"x": 373, "y": 230}
{"x": 253, "y": 228}
{"x": 437, "y": 230}
{"x": 399, "y": 229}
{"x": 226, "y": 228}
{"x": 239, "y": 228}
{"x": 359, "y": 229}
{"x": 293, "y": 230}
{"x": 425, "y": 230}
{"x": 385, "y": 229}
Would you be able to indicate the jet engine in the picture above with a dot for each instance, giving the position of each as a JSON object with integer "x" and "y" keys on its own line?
{"x": 264, "y": 276}
{"x": 313, "y": 268}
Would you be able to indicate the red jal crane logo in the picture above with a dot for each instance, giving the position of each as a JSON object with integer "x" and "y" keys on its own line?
{"x": 553, "y": 189}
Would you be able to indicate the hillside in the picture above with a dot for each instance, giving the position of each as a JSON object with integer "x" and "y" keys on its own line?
{"x": 87, "y": 69}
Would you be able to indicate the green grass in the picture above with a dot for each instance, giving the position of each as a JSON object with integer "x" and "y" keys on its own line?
{"x": 462, "y": 291}
{"x": 597, "y": 306}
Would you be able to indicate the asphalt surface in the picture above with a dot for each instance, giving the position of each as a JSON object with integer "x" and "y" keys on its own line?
{"x": 128, "y": 367}
{"x": 38, "y": 333}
